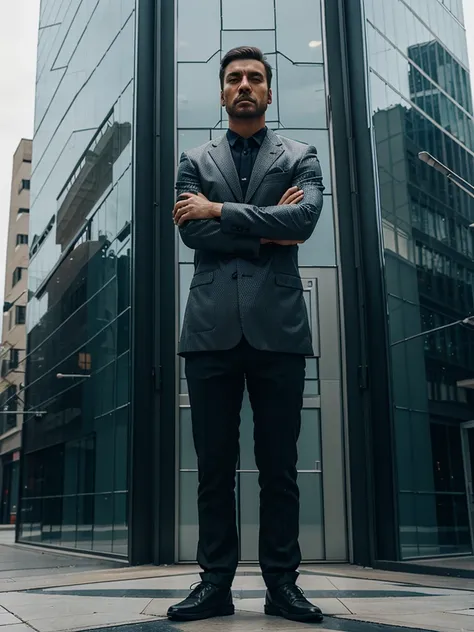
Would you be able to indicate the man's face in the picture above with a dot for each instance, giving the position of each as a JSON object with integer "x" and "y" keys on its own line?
{"x": 246, "y": 93}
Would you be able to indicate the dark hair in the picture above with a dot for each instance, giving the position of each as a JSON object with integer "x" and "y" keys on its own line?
{"x": 245, "y": 52}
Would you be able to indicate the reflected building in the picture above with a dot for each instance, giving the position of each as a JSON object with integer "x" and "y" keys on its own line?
{"x": 13, "y": 336}
{"x": 428, "y": 275}
{"x": 109, "y": 466}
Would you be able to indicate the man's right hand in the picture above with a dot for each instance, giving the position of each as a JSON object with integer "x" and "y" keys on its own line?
{"x": 293, "y": 196}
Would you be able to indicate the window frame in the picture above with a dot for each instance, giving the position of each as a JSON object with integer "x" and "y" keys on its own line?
{"x": 21, "y": 239}
{"x": 16, "y": 279}
{"x": 20, "y": 309}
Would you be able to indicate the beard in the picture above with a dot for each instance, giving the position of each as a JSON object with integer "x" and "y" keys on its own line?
{"x": 235, "y": 112}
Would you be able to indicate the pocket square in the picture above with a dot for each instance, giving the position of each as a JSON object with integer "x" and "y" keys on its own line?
{"x": 276, "y": 170}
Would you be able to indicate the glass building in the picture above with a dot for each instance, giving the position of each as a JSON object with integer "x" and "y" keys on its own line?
{"x": 123, "y": 87}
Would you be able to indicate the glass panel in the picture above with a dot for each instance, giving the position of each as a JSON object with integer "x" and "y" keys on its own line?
{"x": 311, "y": 387}
{"x": 123, "y": 380}
{"x": 309, "y": 443}
{"x": 120, "y": 534}
{"x": 320, "y": 249}
{"x": 198, "y": 94}
{"x": 311, "y": 517}
{"x": 429, "y": 510}
{"x": 408, "y": 526}
{"x": 121, "y": 449}
{"x": 249, "y": 491}
{"x": 188, "y": 516}
{"x": 188, "y": 459}
{"x": 185, "y": 275}
{"x": 423, "y": 216}
{"x": 305, "y": 43}
{"x": 189, "y": 138}
{"x": 463, "y": 530}
{"x": 81, "y": 202}
{"x": 69, "y": 522}
{"x": 104, "y": 461}
{"x": 199, "y": 25}
{"x": 103, "y": 522}
{"x": 302, "y": 97}
{"x": 247, "y": 14}
{"x": 265, "y": 40}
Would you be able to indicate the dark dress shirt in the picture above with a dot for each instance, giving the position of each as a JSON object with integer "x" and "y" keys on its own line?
{"x": 245, "y": 152}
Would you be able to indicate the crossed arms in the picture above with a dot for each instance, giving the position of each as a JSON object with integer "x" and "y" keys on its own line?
{"x": 240, "y": 229}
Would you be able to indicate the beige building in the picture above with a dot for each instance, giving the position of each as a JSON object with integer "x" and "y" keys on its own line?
{"x": 13, "y": 345}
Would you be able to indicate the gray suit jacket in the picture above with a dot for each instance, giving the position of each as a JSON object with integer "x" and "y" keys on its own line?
{"x": 240, "y": 286}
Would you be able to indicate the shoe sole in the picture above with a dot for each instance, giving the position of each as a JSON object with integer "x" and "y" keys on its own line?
{"x": 225, "y": 611}
{"x": 272, "y": 611}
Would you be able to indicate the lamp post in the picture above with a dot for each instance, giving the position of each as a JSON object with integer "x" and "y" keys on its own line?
{"x": 430, "y": 160}
{"x": 7, "y": 305}
{"x": 464, "y": 321}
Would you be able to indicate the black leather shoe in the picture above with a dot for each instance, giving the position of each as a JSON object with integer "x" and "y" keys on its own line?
{"x": 204, "y": 602}
{"x": 288, "y": 601}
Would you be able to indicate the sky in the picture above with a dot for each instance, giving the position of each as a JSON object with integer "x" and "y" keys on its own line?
{"x": 18, "y": 40}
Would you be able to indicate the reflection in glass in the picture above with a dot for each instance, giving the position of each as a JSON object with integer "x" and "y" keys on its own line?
{"x": 265, "y": 40}
{"x": 198, "y": 94}
{"x": 311, "y": 517}
{"x": 80, "y": 283}
{"x": 199, "y": 25}
{"x": 120, "y": 531}
{"x": 309, "y": 443}
{"x": 248, "y": 14}
{"x": 303, "y": 44}
{"x": 428, "y": 261}
{"x": 249, "y": 515}
{"x": 188, "y": 516}
{"x": 103, "y": 522}
{"x": 187, "y": 457}
{"x": 302, "y": 97}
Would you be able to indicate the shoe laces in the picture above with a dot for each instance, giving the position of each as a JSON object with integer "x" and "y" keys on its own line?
{"x": 198, "y": 586}
{"x": 297, "y": 593}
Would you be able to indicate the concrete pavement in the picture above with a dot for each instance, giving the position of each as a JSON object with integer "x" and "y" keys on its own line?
{"x": 60, "y": 592}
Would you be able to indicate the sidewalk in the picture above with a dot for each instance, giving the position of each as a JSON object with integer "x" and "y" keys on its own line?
{"x": 76, "y": 593}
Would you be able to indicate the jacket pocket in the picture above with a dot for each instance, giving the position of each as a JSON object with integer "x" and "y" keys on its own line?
{"x": 200, "y": 313}
{"x": 201, "y": 278}
{"x": 289, "y": 280}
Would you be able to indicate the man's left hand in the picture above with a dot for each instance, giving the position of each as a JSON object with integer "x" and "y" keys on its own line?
{"x": 192, "y": 206}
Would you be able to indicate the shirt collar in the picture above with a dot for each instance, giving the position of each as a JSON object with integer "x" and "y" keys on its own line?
{"x": 258, "y": 137}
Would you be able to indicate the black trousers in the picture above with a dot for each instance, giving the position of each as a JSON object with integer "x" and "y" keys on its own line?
{"x": 275, "y": 383}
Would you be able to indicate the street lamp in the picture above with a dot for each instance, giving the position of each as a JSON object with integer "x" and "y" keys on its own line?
{"x": 430, "y": 160}
{"x": 464, "y": 321}
{"x": 7, "y": 305}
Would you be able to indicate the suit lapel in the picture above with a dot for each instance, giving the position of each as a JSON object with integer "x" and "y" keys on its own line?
{"x": 222, "y": 156}
{"x": 270, "y": 151}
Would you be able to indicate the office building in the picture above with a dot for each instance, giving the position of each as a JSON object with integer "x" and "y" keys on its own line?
{"x": 384, "y": 455}
{"x": 13, "y": 346}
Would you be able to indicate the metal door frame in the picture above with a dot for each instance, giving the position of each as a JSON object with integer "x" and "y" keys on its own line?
{"x": 467, "y": 464}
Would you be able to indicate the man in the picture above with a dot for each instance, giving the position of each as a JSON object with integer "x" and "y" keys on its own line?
{"x": 245, "y": 202}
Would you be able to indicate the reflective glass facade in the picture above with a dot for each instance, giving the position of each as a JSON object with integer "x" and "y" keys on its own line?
{"x": 74, "y": 479}
{"x": 381, "y": 453}
{"x": 420, "y": 100}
